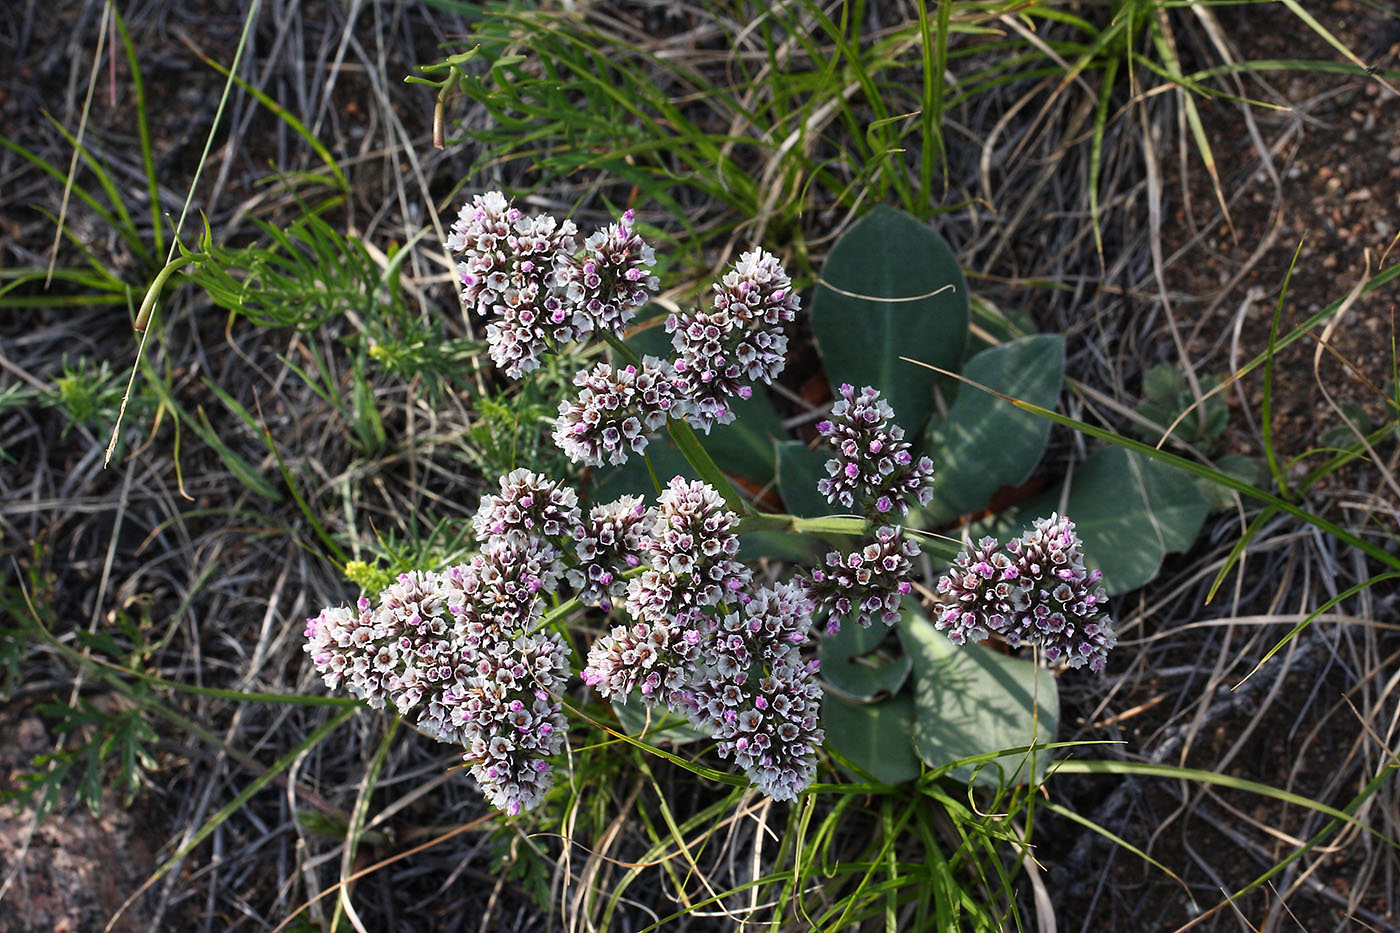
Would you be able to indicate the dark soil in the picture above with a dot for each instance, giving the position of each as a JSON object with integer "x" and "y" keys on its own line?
{"x": 1337, "y": 158}
{"x": 71, "y": 871}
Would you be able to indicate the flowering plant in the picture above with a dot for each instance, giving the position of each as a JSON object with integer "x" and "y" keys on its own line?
{"x": 477, "y": 654}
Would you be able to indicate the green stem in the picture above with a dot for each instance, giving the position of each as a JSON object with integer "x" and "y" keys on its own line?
{"x": 148, "y": 304}
{"x": 688, "y": 443}
{"x": 699, "y": 458}
{"x": 833, "y": 525}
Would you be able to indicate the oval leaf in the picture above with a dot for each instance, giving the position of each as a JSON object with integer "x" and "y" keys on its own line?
{"x": 987, "y": 443}
{"x": 970, "y": 700}
{"x": 873, "y": 736}
{"x": 1130, "y": 512}
{"x": 852, "y": 667}
{"x": 799, "y": 469}
{"x": 889, "y": 254}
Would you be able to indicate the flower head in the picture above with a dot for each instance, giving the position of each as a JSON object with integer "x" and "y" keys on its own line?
{"x": 769, "y": 626}
{"x": 613, "y": 278}
{"x": 1033, "y": 590}
{"x": 691, "y": 550}
{"x": 510, "y": 718}
{"x": 529, "y": 507}
{"x": 400, "y": 652}
{"x": 514, "y": 579}
{"x": 615, "y": 410}
{"x": 656, "y": 659}
{"x": 608, "y": 542}
{"x": 868, "y": 582}
{"x": 874, "y": 468}
{"x": 768, "y": 723}
{"x": 511, "y": 271}
{"x": 739, "y": 340}
{"x": 1068, "y": 611}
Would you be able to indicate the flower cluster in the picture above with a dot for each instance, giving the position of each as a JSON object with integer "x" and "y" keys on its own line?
{"x": 1033, "y": 590}
{"x": 738, "y": 675}
{"x": 510, "y": 718}
{"x": 691, "y": 551}
{"x": 466, "y": 655}
{"x": 737, "y": 341}
{"x": 870, "y": 581}
{"x": 610, "y": 540}
{"x": 461, "y": 655}
{"x": 655, "y": 659}
{"x": 768, "y": 724}
{"x": 449, "y": 651}
{"x": 873, "y": 469}
{"x": 770, "y": 623}
{"x": 396, "y": 653}
{"x": 612, "y": 279}
{"x": 616, "y": 409}
{"x": 513, "y": 269}
{"x": 529, "y": 507}
{"x": 510, "y": 579}
{"x": 543, "y": 291}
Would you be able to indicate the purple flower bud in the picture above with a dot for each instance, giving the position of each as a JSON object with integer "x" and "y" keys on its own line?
{"x": 872, "y": 468}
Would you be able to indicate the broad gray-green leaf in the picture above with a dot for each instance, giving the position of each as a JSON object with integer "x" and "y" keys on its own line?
{"x": 799, "y": 469}
{"x": 745, "y": 446}
{"x": 874, "y": 736}
{"x": 654, "y": 725}
{"x": 780, "y": 545}
{"x": 1130, "y": 512}
{"x": 971, "y": 700}
{"x": 852, "y": 667}
{"x": 987, "y": 443}
{"x": 888, "y": 254}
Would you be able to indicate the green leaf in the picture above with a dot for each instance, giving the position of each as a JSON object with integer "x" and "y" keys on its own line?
{"x": 888, "y": 254}
{"x": 799, "y": 468}
{"x": 780, "y": 545}
{"x": 873, "y": 736}
{"x": 655, "y": 724}
{"x": 853, "y": 667}
{"x": 745, "y": 446}
{"x": 987, "y": 443}
{"x": 971, "y": 700}
{"x": 1130, "y": 512}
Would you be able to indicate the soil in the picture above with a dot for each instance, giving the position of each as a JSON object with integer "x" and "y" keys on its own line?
{"x": 70, "y": 871}
{"x": 1337, "y": 158}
